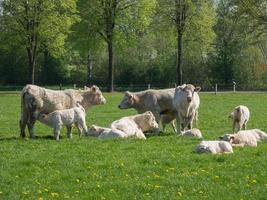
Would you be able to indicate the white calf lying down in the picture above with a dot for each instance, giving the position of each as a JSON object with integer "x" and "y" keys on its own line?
{"x": 105, "y": 133}
{"x": 136, "y": 125}
{"x": 245, "y": 138}
{"x": 192, "y": 133}
{"x": 240, "y": 117}
{"x": 214, "y": 147}
{"x": 67, "y": 118}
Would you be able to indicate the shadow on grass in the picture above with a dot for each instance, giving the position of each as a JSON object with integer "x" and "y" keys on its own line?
{"x": 45, "y": 137}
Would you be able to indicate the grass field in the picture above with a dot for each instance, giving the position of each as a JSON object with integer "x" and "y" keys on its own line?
{"x": 162, "y": 167}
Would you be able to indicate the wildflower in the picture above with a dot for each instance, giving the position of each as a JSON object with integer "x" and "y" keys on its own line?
{"x": 179, "y": 193}
{"x": 54, "y": 194}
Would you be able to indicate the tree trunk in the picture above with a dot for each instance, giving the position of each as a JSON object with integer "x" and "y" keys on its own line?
{"x": 179, "y": 58}
{"x": 31, "y": 63}
{"x": 110, "y": 66}
{"x": 89, "y": 68}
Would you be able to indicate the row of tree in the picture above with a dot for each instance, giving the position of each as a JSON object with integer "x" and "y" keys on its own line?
{"x": 124, "y": 42}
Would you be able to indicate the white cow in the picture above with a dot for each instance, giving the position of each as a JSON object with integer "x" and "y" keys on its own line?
{"x": 155, "y": 101}
{"x": 214, "y": 147}
{"x": 67, "y": 118}
{"x": 186, "y": 103}
{"x": 136, "y": 125}
{"x": 196, "y": 133}
{"x": 35, "y": 99}
{"x": 105, "y": 133}
{"x": 240, "y": 117}
{"x": 245, "y": 137}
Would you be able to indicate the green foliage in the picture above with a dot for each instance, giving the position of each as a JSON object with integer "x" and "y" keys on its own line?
{"x": 161, "y": 167}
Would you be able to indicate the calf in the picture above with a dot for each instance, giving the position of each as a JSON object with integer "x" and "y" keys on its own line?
{"x": 240, "y": 117}
{"x": 67, "y": 118}
{"x": 105, "y": 133}
{"x": 214, "y": 147}
{"x": 136, "y": 125}
{"x": 245, "y": 138}
{"x": 196, "y": 133}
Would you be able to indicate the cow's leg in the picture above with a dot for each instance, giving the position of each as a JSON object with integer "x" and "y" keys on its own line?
{"x": 173, "y": 126}
{"x": 84, "y": 127}
{"x": 57, "y": 132}
{"x": 30, "y": 125}
{"x": 139, "y": 134}
{"x": 178, "y": 123}
{"x": 22, "y": 123}
{"x": 157, "y": 118}
{"x": 163, "y": 126}
{"x": 69, "y": 131}
{"x": 190, "y": 122}
{"x": 79, "y": 129}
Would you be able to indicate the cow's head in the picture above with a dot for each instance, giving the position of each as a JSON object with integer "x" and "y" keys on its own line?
{"x": 93, "y": 96}
{"x": 147, "y": 122}
{"x": 203, "y": 148}
{"x": 127, "y": 101}
{"x": 188, "y": 91}
{"x": 94, "y": 131}
{"x": 227, "y": 137}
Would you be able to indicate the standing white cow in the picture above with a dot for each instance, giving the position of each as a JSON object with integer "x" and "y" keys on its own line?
{"x": 186, "y": 103}
{"x": 35, "y": 99}
{"x": 240, "y": 117}
{"x": 155, "y": 101}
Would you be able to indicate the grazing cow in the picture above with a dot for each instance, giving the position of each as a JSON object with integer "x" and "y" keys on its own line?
{"x": 214, "y": 147}
{"x": 186, "y": 103}
{"x": 35, "y": 99}
{"x": 240, "y": 117}
{"x": 136, "y": 125}
{"x": 105, "y": 133}
{"x": 151, "y": 100}
{"x": 67, "y": 118}
{"x": 196, "y": 133}
{"x": 245, "y": 138}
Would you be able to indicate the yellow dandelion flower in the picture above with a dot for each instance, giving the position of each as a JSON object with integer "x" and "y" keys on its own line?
{"x": 54, "y": 194}
{"x": 40, "y": 198}
{"x": 122, "y": 164}
{"x": 179, "y": 193}
{"x": 1, "y": 192}
{"x": 98, "y": 185}
{"x": 17, "y": 176}
{"x": 77, "y": 180}
{"x": 157, "y": 186}
{"x": 254, "y": 181}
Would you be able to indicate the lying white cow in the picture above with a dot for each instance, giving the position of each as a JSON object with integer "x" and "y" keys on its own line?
{"x": 155, "y": 101}
{"x": 136, "y": 125}
{"x": 245, "y": 138}
{"x": 35, "y": 99}
{"x": 186, "y": 103}
{"x": 214, "y": 147}
{"x": 67, "y": 118}
{"x": 105, "y": 133}
{"x": 240, "y": 117}
{"x": 196, "y": 133}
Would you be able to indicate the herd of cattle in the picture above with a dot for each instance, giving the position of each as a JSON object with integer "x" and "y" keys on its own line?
{"x": 68, "y": 108}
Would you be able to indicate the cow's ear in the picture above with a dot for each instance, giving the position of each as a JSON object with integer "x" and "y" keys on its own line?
{"x": 232, "y": 137}
{"x": 129, "y": 94}
{"x": 94, "y": 88}
{"x": 86, "y": 88}
{"x": 197, "y": 89}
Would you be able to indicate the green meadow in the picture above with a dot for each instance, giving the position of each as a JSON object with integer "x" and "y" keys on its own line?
{"x": 161, "y": 167}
